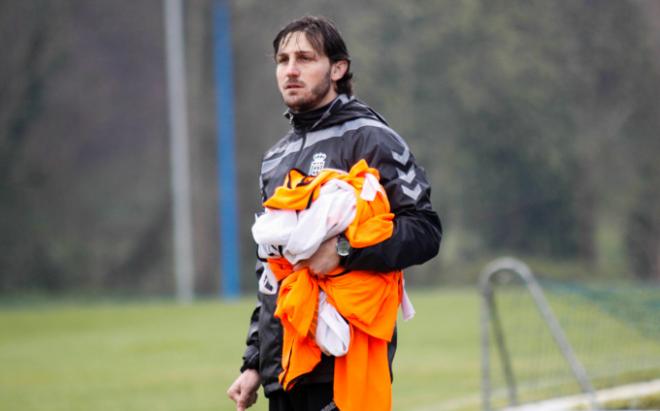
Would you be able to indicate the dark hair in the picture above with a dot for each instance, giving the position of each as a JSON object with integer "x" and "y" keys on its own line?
{"x": 324, "y": 37}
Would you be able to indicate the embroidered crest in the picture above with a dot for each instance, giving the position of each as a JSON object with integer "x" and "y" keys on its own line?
{"x": 318, "y": 164}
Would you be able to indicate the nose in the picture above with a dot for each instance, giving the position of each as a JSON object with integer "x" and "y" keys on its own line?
{"x": 292, "y": 69}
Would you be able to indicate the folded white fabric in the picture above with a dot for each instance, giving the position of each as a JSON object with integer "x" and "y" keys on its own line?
{"x": 300, "y": 234}
{"x": 333, "y": 335}
{"x": 407, "y": 309}
{"x": 267, "y": 282}
{"x": 328, "y": 216}
{"x": 273, "y": 227}
{"x": 371, "y": 187}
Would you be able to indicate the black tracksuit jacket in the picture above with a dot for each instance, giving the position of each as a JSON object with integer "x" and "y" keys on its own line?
{"x": 338, "y": 136}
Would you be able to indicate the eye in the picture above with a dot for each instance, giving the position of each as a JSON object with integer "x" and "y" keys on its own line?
{"x": 306, "y": 57}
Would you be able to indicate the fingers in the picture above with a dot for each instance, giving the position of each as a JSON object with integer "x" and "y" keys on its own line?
{"x": 244, "y": 390}
{"x": 242, "y": 395}
{"x": 245, "y": 403}
{"x": 233, "y": 392}
{"x": 236, "y": 392}
{"x": 241, "y": 403}
{"x": 250, "y": 402}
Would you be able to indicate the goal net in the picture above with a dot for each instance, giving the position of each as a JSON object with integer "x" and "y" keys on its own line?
{"x": 545, "y": 339}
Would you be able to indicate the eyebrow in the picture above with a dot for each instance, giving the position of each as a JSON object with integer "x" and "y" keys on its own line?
{"x": 297, "y": 52}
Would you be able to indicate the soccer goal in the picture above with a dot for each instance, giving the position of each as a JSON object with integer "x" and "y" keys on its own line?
{"x": 559, "y": 345}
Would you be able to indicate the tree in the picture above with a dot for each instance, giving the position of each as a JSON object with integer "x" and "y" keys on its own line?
{"x": 32, "y": 48}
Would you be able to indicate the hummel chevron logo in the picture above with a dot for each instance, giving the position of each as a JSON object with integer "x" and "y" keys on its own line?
{"x": 407, "y": 177}
{"x": 414, "y": 193}
{"x": 401, "y": 158}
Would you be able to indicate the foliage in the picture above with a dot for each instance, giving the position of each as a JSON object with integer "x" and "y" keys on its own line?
{"x": 522, "y": 113}
{"x": 536, "y": 123}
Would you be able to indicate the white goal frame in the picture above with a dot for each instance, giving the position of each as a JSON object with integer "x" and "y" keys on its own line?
{"x": 490, "y": 320}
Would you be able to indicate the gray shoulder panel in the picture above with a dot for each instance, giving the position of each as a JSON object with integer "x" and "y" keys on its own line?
{"x": 315, "y": 137}
{"x": 268, "y": 165}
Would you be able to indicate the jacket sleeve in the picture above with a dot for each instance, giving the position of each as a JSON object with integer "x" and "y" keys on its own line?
{"x": 251, "y": 354}
{"x": 417, "y": 228}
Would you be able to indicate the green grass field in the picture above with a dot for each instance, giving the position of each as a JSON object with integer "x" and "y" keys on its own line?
{"x": 161, "y": 356}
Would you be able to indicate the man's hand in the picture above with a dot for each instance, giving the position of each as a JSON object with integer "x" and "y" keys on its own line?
{"x": 324, "y": 260}
{"x": 244, "y": 390}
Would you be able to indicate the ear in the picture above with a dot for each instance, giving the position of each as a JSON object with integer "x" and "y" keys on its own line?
{"x": 338, "y": 69}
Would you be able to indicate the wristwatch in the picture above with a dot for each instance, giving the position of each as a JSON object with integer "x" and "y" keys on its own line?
{"x": 343, "y": 247}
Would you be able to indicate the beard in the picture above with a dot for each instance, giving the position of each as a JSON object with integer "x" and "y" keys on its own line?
{"x": 303, "y": 103}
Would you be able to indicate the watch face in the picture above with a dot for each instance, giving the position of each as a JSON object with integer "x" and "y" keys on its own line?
{"x": 343, "y": 247}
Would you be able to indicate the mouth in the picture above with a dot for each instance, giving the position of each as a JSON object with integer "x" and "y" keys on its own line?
{"x": 293, "y": 86}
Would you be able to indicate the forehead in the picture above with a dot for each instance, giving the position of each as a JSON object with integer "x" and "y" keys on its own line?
{"x": 296, "y": 42}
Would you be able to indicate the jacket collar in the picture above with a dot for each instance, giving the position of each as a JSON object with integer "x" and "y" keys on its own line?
{"x": 309, "y": 120}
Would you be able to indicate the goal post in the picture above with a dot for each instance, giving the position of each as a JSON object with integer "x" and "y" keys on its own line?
{"x": 546, "y": 343}
{"x": 490, "y": 319}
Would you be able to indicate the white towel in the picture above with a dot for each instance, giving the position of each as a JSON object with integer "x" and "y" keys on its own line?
{"x": 333, "y": 335}
{"x": 300, "y": 234}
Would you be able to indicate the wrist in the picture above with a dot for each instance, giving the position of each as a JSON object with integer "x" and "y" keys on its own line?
{"x": 343, "y": 249}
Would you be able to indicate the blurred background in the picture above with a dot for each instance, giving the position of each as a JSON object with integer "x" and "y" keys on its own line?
{"x": 537, "y": 123}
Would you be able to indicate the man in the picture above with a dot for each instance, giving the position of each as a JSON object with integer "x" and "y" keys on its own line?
{"x": 330, "y": 129}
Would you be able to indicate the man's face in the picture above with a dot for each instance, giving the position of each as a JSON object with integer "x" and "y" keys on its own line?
{"x": 304, "y": 76}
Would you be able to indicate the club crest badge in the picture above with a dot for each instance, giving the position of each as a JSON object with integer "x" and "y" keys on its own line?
{"x": 318, "y": 164}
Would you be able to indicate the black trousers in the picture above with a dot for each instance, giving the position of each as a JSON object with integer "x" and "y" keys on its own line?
{"x": 303, "y": 397}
